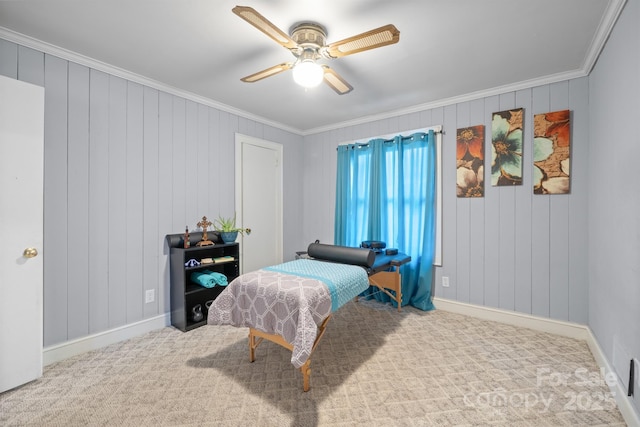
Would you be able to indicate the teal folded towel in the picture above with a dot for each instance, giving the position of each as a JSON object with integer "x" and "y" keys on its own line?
{"x": 208, "y": 279}
{"x": 219, "y": 278}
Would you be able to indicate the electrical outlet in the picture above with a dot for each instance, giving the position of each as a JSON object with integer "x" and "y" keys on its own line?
{"x": 149, "y": 296}
{"x": 445, "y": 281}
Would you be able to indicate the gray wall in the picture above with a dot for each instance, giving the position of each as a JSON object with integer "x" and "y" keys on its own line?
{"x": 566, "y": 257}
{"x": 511, "y": 249}
{"x": 614, "y": 205}
{"x": 125, "y": 165}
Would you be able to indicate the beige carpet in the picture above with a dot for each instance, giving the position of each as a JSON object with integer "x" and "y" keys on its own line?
{"x": 374, "y": 367}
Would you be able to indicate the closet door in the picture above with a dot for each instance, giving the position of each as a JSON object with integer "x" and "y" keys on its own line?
{"x": 21, "y": 231}
{"x": 259, "y": 201}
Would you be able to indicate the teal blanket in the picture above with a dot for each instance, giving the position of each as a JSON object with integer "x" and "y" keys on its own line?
{"x": 343, "y": 281}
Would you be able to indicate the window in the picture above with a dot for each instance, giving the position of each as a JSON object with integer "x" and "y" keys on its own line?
{"x": 388, "y": 190}
{"x": 359, "y": 188}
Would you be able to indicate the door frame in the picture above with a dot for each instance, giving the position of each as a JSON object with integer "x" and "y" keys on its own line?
{"x": 240, "y": 140}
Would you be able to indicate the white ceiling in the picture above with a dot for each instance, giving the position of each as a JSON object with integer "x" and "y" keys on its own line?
{"x": 449, "y": 50}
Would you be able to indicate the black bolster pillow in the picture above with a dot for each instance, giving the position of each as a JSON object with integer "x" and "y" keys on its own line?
{"x": 342, "y": 254}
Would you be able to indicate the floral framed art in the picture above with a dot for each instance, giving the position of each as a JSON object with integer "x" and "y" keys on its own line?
{"x": 551, "y": 152}
{"x": 506, "y": 148}
{"x": 470, "y": 161}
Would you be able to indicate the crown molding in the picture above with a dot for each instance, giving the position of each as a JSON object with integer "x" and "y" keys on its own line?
{"x": 601, "y": 36}
{"x": 498, "y": 90}
{"x": 597, "y": 44}
{"x": 605, "y": 27}
{"x": 86, "y": 61}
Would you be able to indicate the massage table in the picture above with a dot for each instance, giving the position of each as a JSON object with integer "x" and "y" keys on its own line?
{"x": 290, "y": 304}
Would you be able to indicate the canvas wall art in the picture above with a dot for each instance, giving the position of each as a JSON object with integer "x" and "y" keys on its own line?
{"x": 506, "y": 147}
{"x": 470, "y": 161}
{"x": 551, "y": 152}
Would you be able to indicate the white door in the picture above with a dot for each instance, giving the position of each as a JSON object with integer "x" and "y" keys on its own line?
{"x": 259, "y": 201}
{"x": 21, "y": 219}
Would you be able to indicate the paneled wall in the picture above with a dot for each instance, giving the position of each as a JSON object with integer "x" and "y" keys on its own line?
{"x": 511, "y": 249}
{"x": 614, "y": 220}
{"x": 126, "y": 164}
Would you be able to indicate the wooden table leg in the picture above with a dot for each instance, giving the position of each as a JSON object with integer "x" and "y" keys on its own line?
{"x": 256, "y": 336}
{"x": 389, "y": 280}
{"x": 306, "y": 374}
{"x": 252, "y": 346}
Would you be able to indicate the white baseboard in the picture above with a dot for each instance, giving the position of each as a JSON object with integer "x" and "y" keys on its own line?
{"x": 558, "y": 327}
{"x": 58, "y": 352}
{"x": 624, "y": 403}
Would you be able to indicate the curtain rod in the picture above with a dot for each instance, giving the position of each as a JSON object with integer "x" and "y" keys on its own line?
{"x": 411, "y": 133}
{"x": 390, "y": 137}
{"x": 437, "y": 129}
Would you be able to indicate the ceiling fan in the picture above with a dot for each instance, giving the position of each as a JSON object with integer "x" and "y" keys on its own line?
{"x": 307, "y": 44}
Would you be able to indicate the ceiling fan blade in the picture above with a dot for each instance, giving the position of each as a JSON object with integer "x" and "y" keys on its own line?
{"x": 379, "y": 37}
{"x": 336, "y": 82}
{"x": 268, "y": 72}
{"x": 250, "y": 15}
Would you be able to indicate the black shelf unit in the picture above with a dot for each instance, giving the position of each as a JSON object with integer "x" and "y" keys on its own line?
{"x": 185, "y": 294}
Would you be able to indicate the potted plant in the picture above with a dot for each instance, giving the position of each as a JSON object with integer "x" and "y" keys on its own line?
{"x": 228, "y": 230}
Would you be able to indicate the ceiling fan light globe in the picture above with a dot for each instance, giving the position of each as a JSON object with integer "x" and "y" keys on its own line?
{"x": 308, "y": 74}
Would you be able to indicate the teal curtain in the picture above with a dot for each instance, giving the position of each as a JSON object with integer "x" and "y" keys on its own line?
{"x": 386, "y": 190}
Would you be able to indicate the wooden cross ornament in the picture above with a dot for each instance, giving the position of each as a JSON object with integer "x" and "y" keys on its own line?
{"x": 204, "y": 224}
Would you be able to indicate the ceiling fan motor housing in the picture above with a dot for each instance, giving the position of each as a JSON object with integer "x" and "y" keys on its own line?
{"x": 309, "y": 35}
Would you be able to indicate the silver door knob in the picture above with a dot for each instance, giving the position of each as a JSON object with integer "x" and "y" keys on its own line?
{"x": 30, "y": 253}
